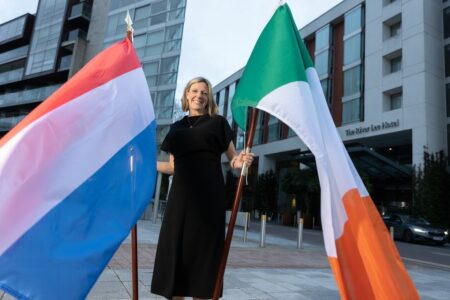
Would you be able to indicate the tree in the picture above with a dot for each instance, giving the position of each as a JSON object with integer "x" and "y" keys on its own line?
{"x": 431, "y": 189}
{"x": 304, "y": 184}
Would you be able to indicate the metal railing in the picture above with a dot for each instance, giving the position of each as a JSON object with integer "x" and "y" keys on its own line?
{"x": 27, "y": 96}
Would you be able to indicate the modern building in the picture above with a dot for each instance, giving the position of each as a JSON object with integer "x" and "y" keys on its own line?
{"x": 40, "y": 52}
{"x": 385, "y": 71}
{"x": 37, "y": 54}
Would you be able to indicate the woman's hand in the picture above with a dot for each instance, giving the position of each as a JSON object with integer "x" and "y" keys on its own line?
{"x": 238, "y": 161}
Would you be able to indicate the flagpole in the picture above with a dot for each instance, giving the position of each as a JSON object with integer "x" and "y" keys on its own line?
{"x": 134, "y": 246}
{"x": 237, "y": 199}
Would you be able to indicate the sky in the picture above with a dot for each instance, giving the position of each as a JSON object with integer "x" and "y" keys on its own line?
{"x": 218, "y": 35}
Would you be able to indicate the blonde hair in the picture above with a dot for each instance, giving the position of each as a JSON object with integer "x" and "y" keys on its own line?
{"x": 211, "y": 106}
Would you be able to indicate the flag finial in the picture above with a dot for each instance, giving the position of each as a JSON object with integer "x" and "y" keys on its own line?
{"x": 129, "y": 23}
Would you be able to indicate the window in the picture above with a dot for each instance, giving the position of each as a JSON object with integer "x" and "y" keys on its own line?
{"x": 322, "y": 63}
{"x": 447, "y": 22}
{"x": 396, "y": 64}
{"x": 448, "y": 100}
{"x": 174, "y": 4}
{"x": 158, "y": 7}
{"x": 351, "y": 111}
{"x": 353, "y": 21}
{"x": 396, "y": 101}
{"x": 352, "y": 49}
{"x": 274, "y": 129}
{"x": 164, "y": 104}
{"x": 352, "y": 81}
{"x": 157, "y": 19}
{"x": 395, "y": 29}
{"x": 221, "y": 101}
{"x": 231, "y": 91}
{"x": 447, "y": 60}
{"x": 323, "y": 38}
{"x": 448, "y": 140}
{"x": 141, "y": 15}
{"x": 155, "y": 37}
{"x": 325, "y": 88}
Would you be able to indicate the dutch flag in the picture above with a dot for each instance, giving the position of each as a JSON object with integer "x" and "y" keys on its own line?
{"x": 75, "y": 175}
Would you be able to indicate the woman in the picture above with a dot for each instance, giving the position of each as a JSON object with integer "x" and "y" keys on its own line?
{"x": 193, "y": 231}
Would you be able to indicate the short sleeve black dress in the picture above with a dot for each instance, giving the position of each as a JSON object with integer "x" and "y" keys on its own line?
{"x": 193, "y": 230}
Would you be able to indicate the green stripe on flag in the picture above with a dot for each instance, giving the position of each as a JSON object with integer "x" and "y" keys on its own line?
{"x": 279, "y": 57}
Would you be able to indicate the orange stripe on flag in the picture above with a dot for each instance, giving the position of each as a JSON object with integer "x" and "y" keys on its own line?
{"x": 368, "y": 265}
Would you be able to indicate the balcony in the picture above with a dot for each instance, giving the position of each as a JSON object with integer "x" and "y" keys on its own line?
{"x": 27, "y": 96}
{"x": 80, "y": 15}
{"x": 11, "y": 76}
{"x": 65, "y": 62}
{"x": 8, "y": 123}
{"x": 71, "y": 37}
{"x": 15, "y": 54}
{"x": 16, "y": 33}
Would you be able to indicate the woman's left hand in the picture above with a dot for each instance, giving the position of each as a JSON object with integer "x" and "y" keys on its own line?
{"x": 242, "y": 158}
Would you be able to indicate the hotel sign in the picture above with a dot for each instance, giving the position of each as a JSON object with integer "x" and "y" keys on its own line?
{"x": 372, "y": 127}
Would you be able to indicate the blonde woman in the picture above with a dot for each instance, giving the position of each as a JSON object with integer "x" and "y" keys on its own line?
{"x": 193, "y": 231}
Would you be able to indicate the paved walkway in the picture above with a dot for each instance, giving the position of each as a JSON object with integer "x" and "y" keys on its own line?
{"x": 278, "y": 271}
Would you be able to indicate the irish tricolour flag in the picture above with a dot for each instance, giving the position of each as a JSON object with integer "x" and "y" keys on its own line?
{"x": 280, "y": 79}
{"x": 75, "y": 175}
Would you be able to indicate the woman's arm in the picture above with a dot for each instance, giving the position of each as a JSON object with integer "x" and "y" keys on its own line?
{"x": 237, "y": 160}
{"x": 166, "y": 167}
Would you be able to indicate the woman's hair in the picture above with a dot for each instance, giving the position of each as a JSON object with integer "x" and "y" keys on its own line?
{"x": 211, "y": 106}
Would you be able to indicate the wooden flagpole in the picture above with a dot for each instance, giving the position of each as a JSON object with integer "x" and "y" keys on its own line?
{"x": 237, "y": 199}
{"x": 134, "y": 247}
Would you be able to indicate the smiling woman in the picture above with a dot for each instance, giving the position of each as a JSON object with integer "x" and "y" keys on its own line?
{"x": 193, "y": 230}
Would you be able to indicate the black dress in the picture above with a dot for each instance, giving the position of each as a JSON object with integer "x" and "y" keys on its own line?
{"x": 193, "y": 230}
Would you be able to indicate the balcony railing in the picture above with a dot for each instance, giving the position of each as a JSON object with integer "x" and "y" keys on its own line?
{"x": 65, "y": 62}
{"x": 8, "y": 123}
{"x": 13, "y": 75}
{"x": 27, "y": 96}
{"x": 13, "y": 54}
{"x": 74, "y": 34}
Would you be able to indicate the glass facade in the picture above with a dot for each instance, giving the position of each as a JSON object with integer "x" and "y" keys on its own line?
{"x": 12, "y": 29}
{"x": 158, "y": 33}
{"x": 11, "y": 55}
{"x": 352, "y": 81}
{"x": 231, "y": 91}
{"x": 352, "y": 49}
{"x": 273, "y": 129}
{"x": 46, "y": 35}
{"x": 27, "y": 96}
{"x": 12, "y": 75}
{"x": 352, "y": 108}
{"x": 322, "y": 59}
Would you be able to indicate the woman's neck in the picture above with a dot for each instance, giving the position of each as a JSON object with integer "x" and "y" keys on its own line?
{"x": 193, "y": 113}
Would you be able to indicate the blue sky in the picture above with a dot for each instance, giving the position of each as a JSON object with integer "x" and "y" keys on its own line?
{"x": 218, "y": 34}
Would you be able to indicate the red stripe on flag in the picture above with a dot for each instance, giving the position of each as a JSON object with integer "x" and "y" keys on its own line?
{"x": 368, "y": 265}
{"x": 116, "y": 60}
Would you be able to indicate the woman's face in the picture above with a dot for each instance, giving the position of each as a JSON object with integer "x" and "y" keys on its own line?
{"x": 197, "y": 97}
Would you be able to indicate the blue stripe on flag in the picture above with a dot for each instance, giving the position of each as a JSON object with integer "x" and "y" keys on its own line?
{"x": 63, "y": 254}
